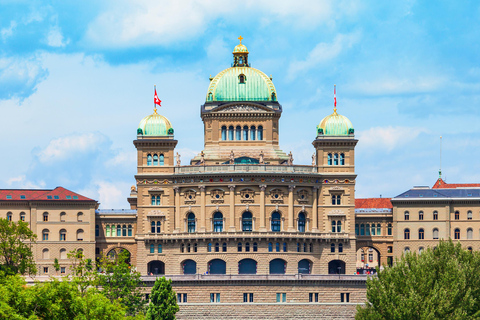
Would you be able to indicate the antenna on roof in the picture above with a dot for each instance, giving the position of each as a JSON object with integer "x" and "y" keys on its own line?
{"x": 440, "y": 171}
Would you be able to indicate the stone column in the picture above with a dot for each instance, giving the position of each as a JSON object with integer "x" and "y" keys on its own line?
{"x": 291, "y": 227}
{"x": 315, "y": 209}
{"x": 177, "y": 210}
{"x": 232, "y": 207}
{"x": 262, "y": 208}
{"x": 202, "y": 209}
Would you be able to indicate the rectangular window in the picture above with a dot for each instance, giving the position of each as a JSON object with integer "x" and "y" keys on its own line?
{"x": 316, "y": 297}
{"x": 184, "y": 297}
{"x": 9, "y": 197}
{"x": 45, "y": 269}
{"x": 45, "y": 237}
{"x": 345, "y": 297}
{"x": 310, "y": 297}
{"x": 22, "y": 197}
{"x": 281, "y": 297}
{"x": 214, "y": 297}
{"x": 370, "y": 257}
{"x": 62, "y": 270}
{"x": 248, "y": 297}
{"x": 22, "y": 217}
{"x": 179, "y": 297}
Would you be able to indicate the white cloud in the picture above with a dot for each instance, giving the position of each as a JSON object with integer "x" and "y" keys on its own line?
{"x": 21, "y": 182}
{"x": 55, "y": 38}
{"x": 112, "y": 195}
{"x": 19, "y": 74}
{"x": 126, "y": 158}
{"x": 324, "y": 52}
{"x": 7, "y": 32}
{"x": 396, "y": 85}
{"x": 387, "y": 138}
{"x": 70, "y": 146}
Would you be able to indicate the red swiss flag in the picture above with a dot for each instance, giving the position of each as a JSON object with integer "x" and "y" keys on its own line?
{"x": 156, "y": 100}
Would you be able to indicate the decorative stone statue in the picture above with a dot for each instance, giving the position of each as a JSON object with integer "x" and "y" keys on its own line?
{"x": 232, "y": 157}
{"x": 313, "y": 159}
{"x": 261, "y": 157}
{"x": 178, "y": 160}
{"x": 202, "y": 158}
{"x": 290, "y": 159}
{"x": 133, "y": 189}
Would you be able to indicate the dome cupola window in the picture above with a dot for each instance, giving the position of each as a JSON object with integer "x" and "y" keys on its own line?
{"x": 241, "y": 78}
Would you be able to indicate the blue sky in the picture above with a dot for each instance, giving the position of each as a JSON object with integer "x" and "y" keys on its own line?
{"x": 76, "y": 78}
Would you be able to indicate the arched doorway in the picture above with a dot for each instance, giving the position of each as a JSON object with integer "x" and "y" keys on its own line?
{"x": 336, "y": 267}
{"x": 368, "y": 258}
{"x": 305, "y": 266}
{"x": 156, "y": 267}
{"x": 189, "y": 267}
{"x": 114, "y": 253}
{"x": 247, "y": 266}
{"x": 278, "y": 266}
{"x": 217, "y": 266}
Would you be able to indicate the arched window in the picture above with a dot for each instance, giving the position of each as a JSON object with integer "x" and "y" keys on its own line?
{"x": 149, "y": 160}
{"x": 247, "y": 266}
{"x": 80, "y": 216}
{"x": 276, "y": 222}
{"x": 298, "y": 247}
{"x": 435, "y": 215}
{"x": 238, "y": 132}
{"x": 22, "y": 216}
{"x": 124, "y": 230}
{"x": 130, "y": 229}
{"x": 457, "y": 234}
{"x": 209, "y": 247}
{"x": 224, "y": 133}
{"x": 97, "y": 230}
{"x": 217, "y": 266}
{"x": 247, "y": 247}
{"x": 239, "y": 247}
{"x": 406, "y": 215}
{"x": 10, "y": 216}
{"x": 63, "y": 254}
{"x": 45, "y": 254}
{"x": 457, "y": 215}
{"x": 334, "y": 225}
{"x": 152, "y": 227}
{"x": 469, "y": 215}
{"x": 420, "y": 250}
{"x": 330, "y": 159}
{"x": 79, "y": 235}
{"x": 278, "y": 266}
{"x": 335, "y": 159}
{"x": 406, "y": 234}
{"x": 191, "y": 222}
{"x": 159, "y": 248}
{"x": 339, "y": 226}
{"x": 62, "y": 216}
{"x": 277, "y": 247}
{"x": 421, "y": 234}
{"x": 332, "y": 247}
{"x": 435, "y": 233}
{"x": 406, "y": 250}
{"x": 189, "y": 267}
{"x": 389, "y": 229}
{"x": 357, "y": 229}
{"x": 182, "y": 248}
{"x": 217, "y": 247}
{"x": 367, "y": 229}
{"x": 260, "y": 133}
{"x": 379, "y": 229}
{"x": 245, "y": 133}
{"x": 162, "y": 160}
{"x": 253, "y": 133}
{"x": 420, "y": 215}
{"x": 255, "y": 247}
{"x": 45, "y": 216}
{"x": 188, "y": 247}
{"x": 340, "y": 247}
{"x": 159, "y": 227}
{"x": 270, "y": 247}
{"x": 373, "y": 229}
{"x": 247, "y": 221}
{"x": 45, "y": 234}
{"x": 469, "y": 233}
{"x": 155, "y": 159}
{"x": 230, "y": 133}
{"x": 311, "y": 247}
{"x": 362, "y": 229}
{"x": 304, "y": 266}
{"x": 218, "y": 222}
{"x": 63, "y": 235}
{"x": 107, "y": 231}
{"x": 301, "y": 222}
{"x": 224, "y": 247}
{"x": 342, "y": 159}
{"x": 241, "y": 77}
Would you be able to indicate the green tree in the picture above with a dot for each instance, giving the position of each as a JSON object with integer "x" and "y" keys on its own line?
{"x": 119, "y": 281}
{"x": 15, "y": 253}
{"x": 441, "y": 283}
{"x": 83, "y": 270}
{"x": 163, "y": 301}
{"x": 56, "y": 265}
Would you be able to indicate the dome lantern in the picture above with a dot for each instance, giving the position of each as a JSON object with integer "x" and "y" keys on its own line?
{"x": 240, "y": 55}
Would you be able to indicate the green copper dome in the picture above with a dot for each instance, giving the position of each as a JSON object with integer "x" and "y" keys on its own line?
{"x": 335, "y": 125}
{"x": 241, "y": 84}
{"x": 155, "y": 125}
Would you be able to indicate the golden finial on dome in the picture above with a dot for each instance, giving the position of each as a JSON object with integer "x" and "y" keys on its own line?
{"x": 240, "y": 38}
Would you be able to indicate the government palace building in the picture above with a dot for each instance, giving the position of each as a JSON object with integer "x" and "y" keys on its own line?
{"x": 240, "y": 228}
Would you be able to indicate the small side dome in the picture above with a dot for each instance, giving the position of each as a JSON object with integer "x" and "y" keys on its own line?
{"x": 155, "y": 125}
{"x": 335, "y": 125}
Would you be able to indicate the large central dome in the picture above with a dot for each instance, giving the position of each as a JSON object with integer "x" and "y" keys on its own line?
{"x": 241, "y": 82}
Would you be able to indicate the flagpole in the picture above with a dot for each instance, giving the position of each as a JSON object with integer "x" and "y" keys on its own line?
{"x": 154, "y": 92}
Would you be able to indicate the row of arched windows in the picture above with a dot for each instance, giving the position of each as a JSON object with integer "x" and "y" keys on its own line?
{"x": 62, "y": 235}
{"x": 239, "y": 133}
{"x": 421, "y": 233}
{"x": 155, "y": 160}
{"x": 247, "y": 222}
{"x": 367, "y": 229}
{"x": 45, "y": 216}
{"x": 336, "y": 159}
{"x": 10, "y": 216}
{"x": 248, "y": 247}
{"x": 118, "y": 230}
{"x": 435, "y": 215}
{"x": 62, "y": 253}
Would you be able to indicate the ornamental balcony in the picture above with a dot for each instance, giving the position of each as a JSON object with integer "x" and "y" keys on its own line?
{"x": 246, "y": 168}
